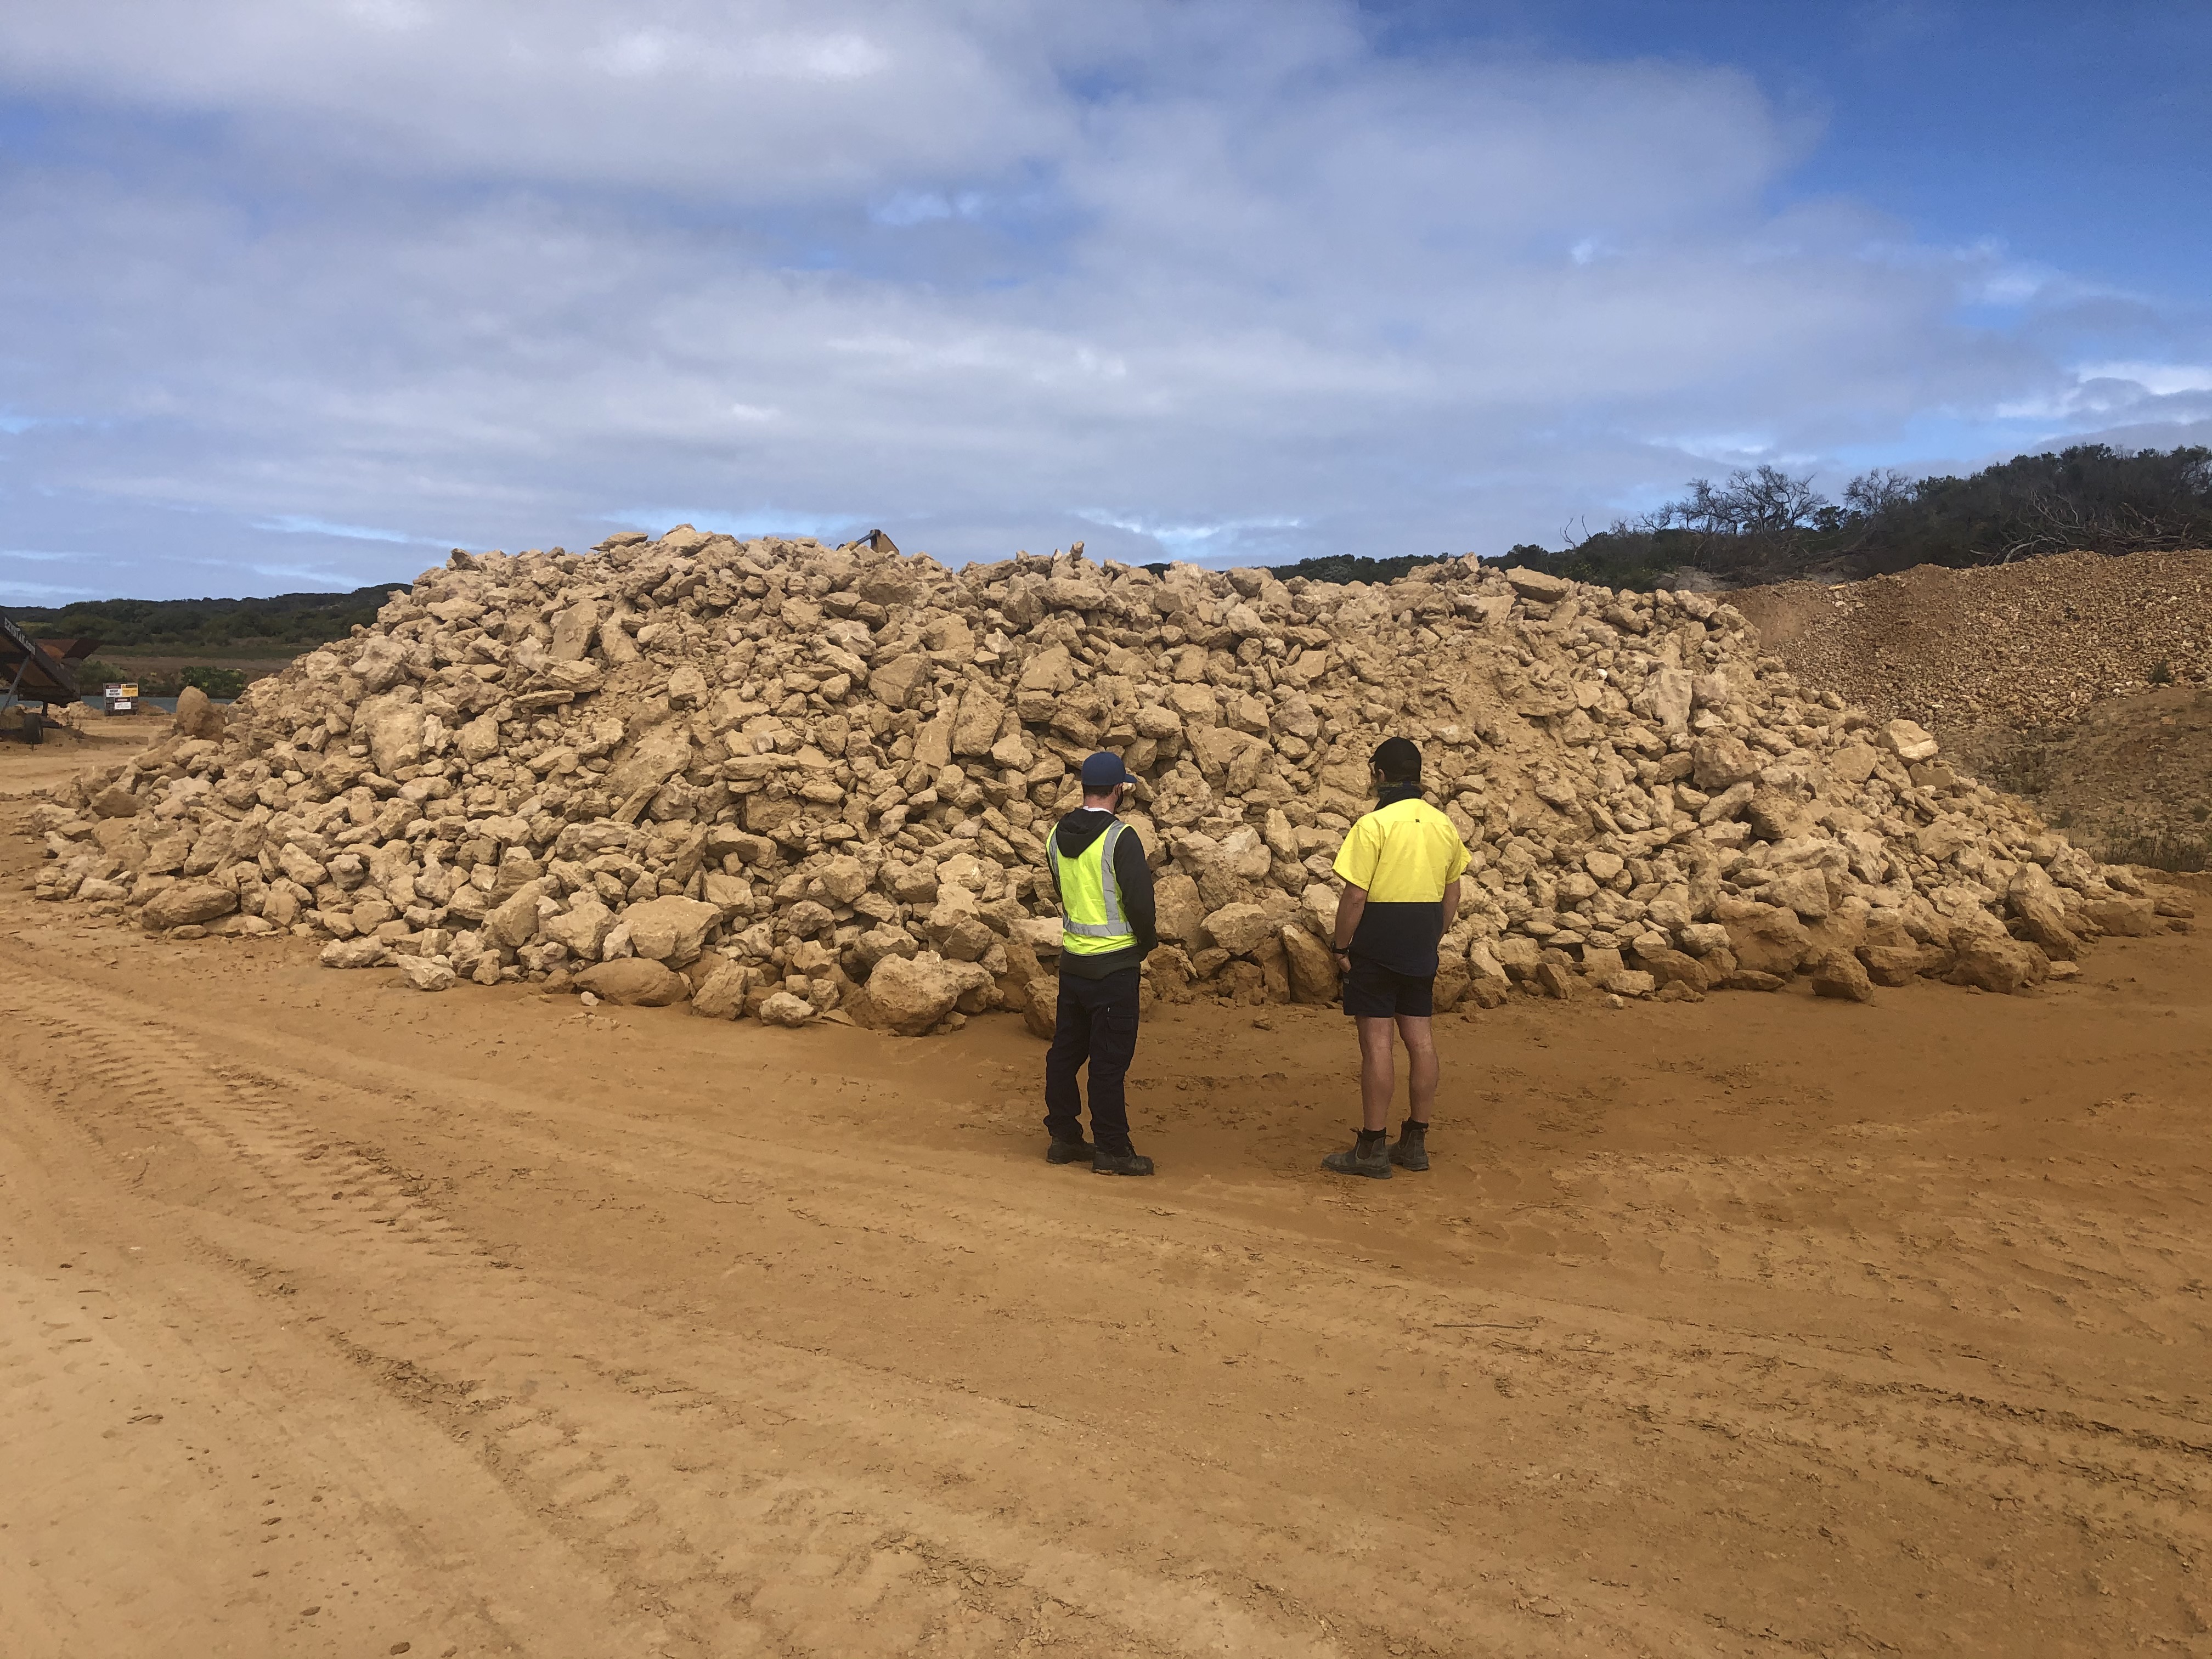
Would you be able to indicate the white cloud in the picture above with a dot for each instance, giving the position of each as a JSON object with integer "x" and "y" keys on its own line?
{"x": 954, "y": 269}
{"x": 2159, "y": 379}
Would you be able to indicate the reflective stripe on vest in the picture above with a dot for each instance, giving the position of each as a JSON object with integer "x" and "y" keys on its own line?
{"x": 1091, "y": 922}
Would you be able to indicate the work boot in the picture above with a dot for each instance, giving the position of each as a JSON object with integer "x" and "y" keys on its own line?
{"x": 1078, "y": 1151}
{"x": 1132, "y": 1163}
{"x": 1412, "y": 1152}
{"x": 1368, "y": 1155}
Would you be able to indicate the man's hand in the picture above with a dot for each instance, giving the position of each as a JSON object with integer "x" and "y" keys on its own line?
{"x": 1350, "y": 904}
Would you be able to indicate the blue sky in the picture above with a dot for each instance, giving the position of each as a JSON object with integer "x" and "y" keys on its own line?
{"x": 300, "y": 296}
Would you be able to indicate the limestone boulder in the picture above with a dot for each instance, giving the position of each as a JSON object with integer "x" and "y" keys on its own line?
{"x": 1891, "y": 965}
{"x": 2129, "y": 918}
{"x": 187, "y": 903}
{"x": 1838, "y": 973}
{"x": 583, "y": 927}
{"x": 394, "y": 731}
{"x": 782, "y": 1008}
{"x": 1180, "y": 911}
{"x": 1312, "y": 968}
{"x": 514, "y": 923}
{"x": 2040, "y": 916}
{"x": 1238, "y": 929}
{"x": 1908, "y": 741}
{"x": 635, "y": 981}
{"x": 1721, "y": 761}
{"x": 1997, "y": 963}
{"x": 428, "y": 974}
{"x": 672, "y": 929}
{"x": 356, "y": 954}
{"x": 1772, "y": 941}
{"x": 913, "y": 994}
{"x": 197, "y": 715}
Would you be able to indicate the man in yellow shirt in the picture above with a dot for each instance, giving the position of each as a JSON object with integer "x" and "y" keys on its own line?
{"x": 1401, "y": 865}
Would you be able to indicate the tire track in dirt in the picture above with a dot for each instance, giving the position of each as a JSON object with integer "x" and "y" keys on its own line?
{"x": 2157, "y": 1472}
{"x": 748, "y": 1493}
{"x": 870, "y": 1554}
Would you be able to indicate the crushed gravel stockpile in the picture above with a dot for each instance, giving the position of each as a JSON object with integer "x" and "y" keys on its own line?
{"x": 792, "y": 783}
{"x": 2021, "y": 644}
{"x": 2042, "y": 677}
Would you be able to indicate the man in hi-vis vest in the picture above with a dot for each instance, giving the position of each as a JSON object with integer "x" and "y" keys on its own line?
{"x": 1107, "y": 929}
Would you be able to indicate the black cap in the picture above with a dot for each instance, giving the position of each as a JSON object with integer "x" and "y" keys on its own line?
{"x": 1103, "y": 771}
{"x": 1397, "y": 760}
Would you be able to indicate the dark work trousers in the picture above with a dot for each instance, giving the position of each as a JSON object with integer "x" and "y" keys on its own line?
{"x": 1097, "y": 1022}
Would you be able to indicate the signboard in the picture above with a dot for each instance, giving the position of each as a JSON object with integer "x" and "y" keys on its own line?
{"x": 122, "y": 699}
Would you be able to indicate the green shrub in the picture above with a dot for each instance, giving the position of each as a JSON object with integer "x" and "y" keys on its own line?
{"x": 223, "y": 683}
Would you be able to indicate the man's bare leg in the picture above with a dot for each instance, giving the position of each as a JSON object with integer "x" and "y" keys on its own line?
{"x": 1422, "y": 1069}
{"x": 1377, "y": 1072}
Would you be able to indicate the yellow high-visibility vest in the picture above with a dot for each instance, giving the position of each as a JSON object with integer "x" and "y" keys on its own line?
{"x": 1091, "y": 920}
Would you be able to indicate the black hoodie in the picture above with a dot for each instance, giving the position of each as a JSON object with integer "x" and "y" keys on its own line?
{"x": 1131, "y": 874}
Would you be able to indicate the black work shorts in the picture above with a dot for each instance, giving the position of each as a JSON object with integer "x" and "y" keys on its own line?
{"x": 1373, "y": 992}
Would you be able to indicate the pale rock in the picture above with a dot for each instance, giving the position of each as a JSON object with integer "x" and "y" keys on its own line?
{"x": 514, "y": 923}
{"x": 1804, "y": 891}
{"x": 1996, "y": 963}
{"x": 913, "y": 994}
{"x": 653, "y": 759}
{"x": 1721, "y": 761}
{"x": 1768, "y": 941}
{"x": 1840, "y": 974}
{"x": 721, "y": 994}
{"x": 635, "y": 981}
{"x": 1907, "y": 741}
{"x": 1312, "y": 966}
{"x": 670, "y": 930}
{"x": 582, "y": 928}
{"x": 187, "y": 903}
{"x": 428, "y": 974}
{"x": 1238, "y": 929}
{"x": 197, "y": 716}
{"x": 784, "y": 1008}
{"x": 844, "y": 878}
{"x": 356, "y": 953}
{"x": 1538, "y": 584}
{"x": 478, "y": 740}
{"x": 1179, "y": 913}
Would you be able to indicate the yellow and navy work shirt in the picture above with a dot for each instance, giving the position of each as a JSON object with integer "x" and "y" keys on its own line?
{"x": 1405, "y": 854}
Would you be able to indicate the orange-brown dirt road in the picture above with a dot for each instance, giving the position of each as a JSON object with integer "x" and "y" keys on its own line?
{"x": 335, "y": 1316}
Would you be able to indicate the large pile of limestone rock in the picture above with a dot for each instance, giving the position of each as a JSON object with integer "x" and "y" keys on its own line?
{"x": 790, "y": 782}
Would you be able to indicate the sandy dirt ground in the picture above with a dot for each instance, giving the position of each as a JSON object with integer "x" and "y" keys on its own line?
{"x": 336, "y": 1319}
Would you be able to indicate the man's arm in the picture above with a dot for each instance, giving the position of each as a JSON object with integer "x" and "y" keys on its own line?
{"x": 1135, "y": 878}
{"x": 1351, "y": 905}
{"x": 1451, "y": 903}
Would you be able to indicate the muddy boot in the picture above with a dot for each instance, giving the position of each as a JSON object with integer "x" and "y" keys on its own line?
{"x": 1077, "y": 1151}
{"x": 1129, "y": 1164}
{"x": 1412, "y": 1151}
{"x": 1369, "y": 1156}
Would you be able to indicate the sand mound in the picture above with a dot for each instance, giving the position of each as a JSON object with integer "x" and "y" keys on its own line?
{"x": 2077, "y": 680}
{"x": 790, "y": 780}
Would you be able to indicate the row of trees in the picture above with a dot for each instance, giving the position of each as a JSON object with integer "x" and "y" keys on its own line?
{"x": 1765, "y": 525}
{"x": 282, "y": 626}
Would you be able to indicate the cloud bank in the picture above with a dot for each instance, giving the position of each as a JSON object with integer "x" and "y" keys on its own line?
{"x": 313, "y": 292}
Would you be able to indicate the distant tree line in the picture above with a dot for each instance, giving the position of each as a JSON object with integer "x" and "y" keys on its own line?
{"x": 280, "y": 627}
{"x": 1765, "y": 525}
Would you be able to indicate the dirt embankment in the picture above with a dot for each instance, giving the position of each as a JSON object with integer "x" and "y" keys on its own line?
{"x": 2078, "y": 681}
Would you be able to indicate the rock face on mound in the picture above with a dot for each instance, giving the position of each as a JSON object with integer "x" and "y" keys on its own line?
{"x": 785, "y": 779}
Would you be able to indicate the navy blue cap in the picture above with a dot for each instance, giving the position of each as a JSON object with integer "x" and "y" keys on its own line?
{"x": 1102, "y": 770}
